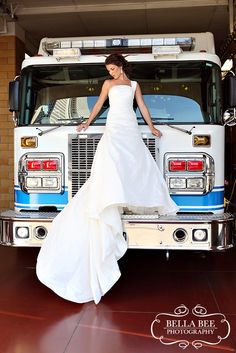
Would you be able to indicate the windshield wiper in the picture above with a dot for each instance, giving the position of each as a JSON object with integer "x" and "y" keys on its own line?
{"x": 189, "y": 132}
{"x": 43, "y": 132}
{"x": 158, "y": 119}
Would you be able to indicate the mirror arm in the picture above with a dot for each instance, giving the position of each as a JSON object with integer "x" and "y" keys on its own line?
{"x": 15, "y": 118}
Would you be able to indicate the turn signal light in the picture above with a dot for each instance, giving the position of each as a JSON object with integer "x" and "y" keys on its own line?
{"x": 201, "y": 140}
{"x": 29, "y": 142}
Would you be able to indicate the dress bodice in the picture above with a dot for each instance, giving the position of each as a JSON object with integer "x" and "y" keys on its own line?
{"x": 122, "y": 95}
{"x": 121, "y": 99}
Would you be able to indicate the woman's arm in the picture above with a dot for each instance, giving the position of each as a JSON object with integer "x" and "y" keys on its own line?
{"x": 97, "y": 106}
{"x": 144, "y": 111}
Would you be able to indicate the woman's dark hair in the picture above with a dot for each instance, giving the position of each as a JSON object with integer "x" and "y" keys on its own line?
{"x": 118, "y": 60}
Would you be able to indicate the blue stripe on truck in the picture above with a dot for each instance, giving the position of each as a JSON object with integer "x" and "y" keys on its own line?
{"x": 34, "y": 201}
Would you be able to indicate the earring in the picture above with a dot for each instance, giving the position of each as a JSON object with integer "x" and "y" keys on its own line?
{"x": 121, "y": 70}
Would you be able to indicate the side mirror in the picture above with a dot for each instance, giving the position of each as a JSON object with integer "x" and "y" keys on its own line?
{"x": 14, "y": 90}
{"x": 229, "y": 92}
{"x": 229, "y": 117}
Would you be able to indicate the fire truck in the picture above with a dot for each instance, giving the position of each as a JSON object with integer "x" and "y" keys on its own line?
{"x": 180, "y": 78}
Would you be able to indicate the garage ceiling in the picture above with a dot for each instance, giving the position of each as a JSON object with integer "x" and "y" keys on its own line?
{"x": 58, "y": 18}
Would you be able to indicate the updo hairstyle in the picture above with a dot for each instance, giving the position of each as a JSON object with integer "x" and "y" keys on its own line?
{"x": 118, "y": 60}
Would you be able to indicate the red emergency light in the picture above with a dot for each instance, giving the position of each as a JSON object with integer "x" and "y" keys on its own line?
{"x": 195, "y": 165}
{"x": 50, "y": 164}
{"x": 177, "y": 165}
{"x": 37, "y": 164}
{"x": 33, "y": 164}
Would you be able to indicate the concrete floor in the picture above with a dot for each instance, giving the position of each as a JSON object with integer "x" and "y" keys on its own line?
{"x": 35, "y": 320}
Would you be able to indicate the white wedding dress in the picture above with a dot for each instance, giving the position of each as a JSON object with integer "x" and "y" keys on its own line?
{"x": 78, "y": 259}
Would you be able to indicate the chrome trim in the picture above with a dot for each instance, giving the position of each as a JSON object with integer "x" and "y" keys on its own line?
{"x": 23, "y": 173}
{"x": 11, "y": 220}
{"x": 208, "y": 173}
{"x": 145, "y": 231}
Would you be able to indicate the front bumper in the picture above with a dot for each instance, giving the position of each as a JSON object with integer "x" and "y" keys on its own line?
{"x": 141, "y": 231}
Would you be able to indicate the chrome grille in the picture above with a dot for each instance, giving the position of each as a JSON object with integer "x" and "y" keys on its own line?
{"x": 81, "y": 153}
{"x": 151, "y": 145}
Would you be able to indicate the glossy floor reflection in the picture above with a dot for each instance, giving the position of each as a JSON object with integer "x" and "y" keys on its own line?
{"x": 34, "y": 320}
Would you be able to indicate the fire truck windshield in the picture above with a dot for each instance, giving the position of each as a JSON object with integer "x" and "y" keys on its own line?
{"x": 175, "y": 92}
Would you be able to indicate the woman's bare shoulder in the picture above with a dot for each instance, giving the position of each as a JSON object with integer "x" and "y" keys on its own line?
{"x": 106, "y": 86}
{"x": 137, "y": 86}
{"x": 107, "y": 83}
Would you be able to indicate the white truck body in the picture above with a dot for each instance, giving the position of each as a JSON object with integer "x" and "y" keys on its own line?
{"x": 180, "y": 79}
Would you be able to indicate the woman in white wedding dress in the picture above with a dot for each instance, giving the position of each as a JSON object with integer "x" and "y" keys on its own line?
{"x": 78, "y": 259}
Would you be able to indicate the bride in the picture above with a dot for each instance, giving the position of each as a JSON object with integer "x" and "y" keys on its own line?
{"x": 78, "y": 259}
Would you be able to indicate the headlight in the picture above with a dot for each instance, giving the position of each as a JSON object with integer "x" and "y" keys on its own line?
{"x": 50, "y": 183}
{"x": 195, "y": 183}
{"x": 22, "y": 232}
{"x": 32, "y": 182}
{"x": 199, "y": 234}
{"x": 177, "y": 183}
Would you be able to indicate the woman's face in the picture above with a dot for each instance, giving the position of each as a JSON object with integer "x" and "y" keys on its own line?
{"x": 114, "y": 70}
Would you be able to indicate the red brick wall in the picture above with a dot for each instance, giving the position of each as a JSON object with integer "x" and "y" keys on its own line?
{"x": 12, "y": 53}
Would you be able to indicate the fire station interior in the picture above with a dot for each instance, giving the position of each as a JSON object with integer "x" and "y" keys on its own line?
{"x": 153, "y": 283}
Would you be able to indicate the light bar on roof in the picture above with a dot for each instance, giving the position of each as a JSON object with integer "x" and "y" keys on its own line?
{"x": 77, "y": 44}
{"x": 169, "y": 41}
{"x": 88, "y": 44}
{"x": 100, "y": 43}
{"x": 134, "y": 42}
{"x": 116, "y": 42}
{"x": 158, "y": 41}
{"x": 146, "y": 42}
{"x": 49, "y": 46}
{"x": 66, "y": 44}
{"x": 186, "y": 43}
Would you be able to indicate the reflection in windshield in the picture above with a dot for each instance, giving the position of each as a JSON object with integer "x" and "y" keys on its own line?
{"x": 171, "y": 109}
{"x": 173, "y": 92}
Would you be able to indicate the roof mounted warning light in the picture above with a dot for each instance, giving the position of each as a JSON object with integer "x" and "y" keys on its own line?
{"x": 104, "y": 45}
